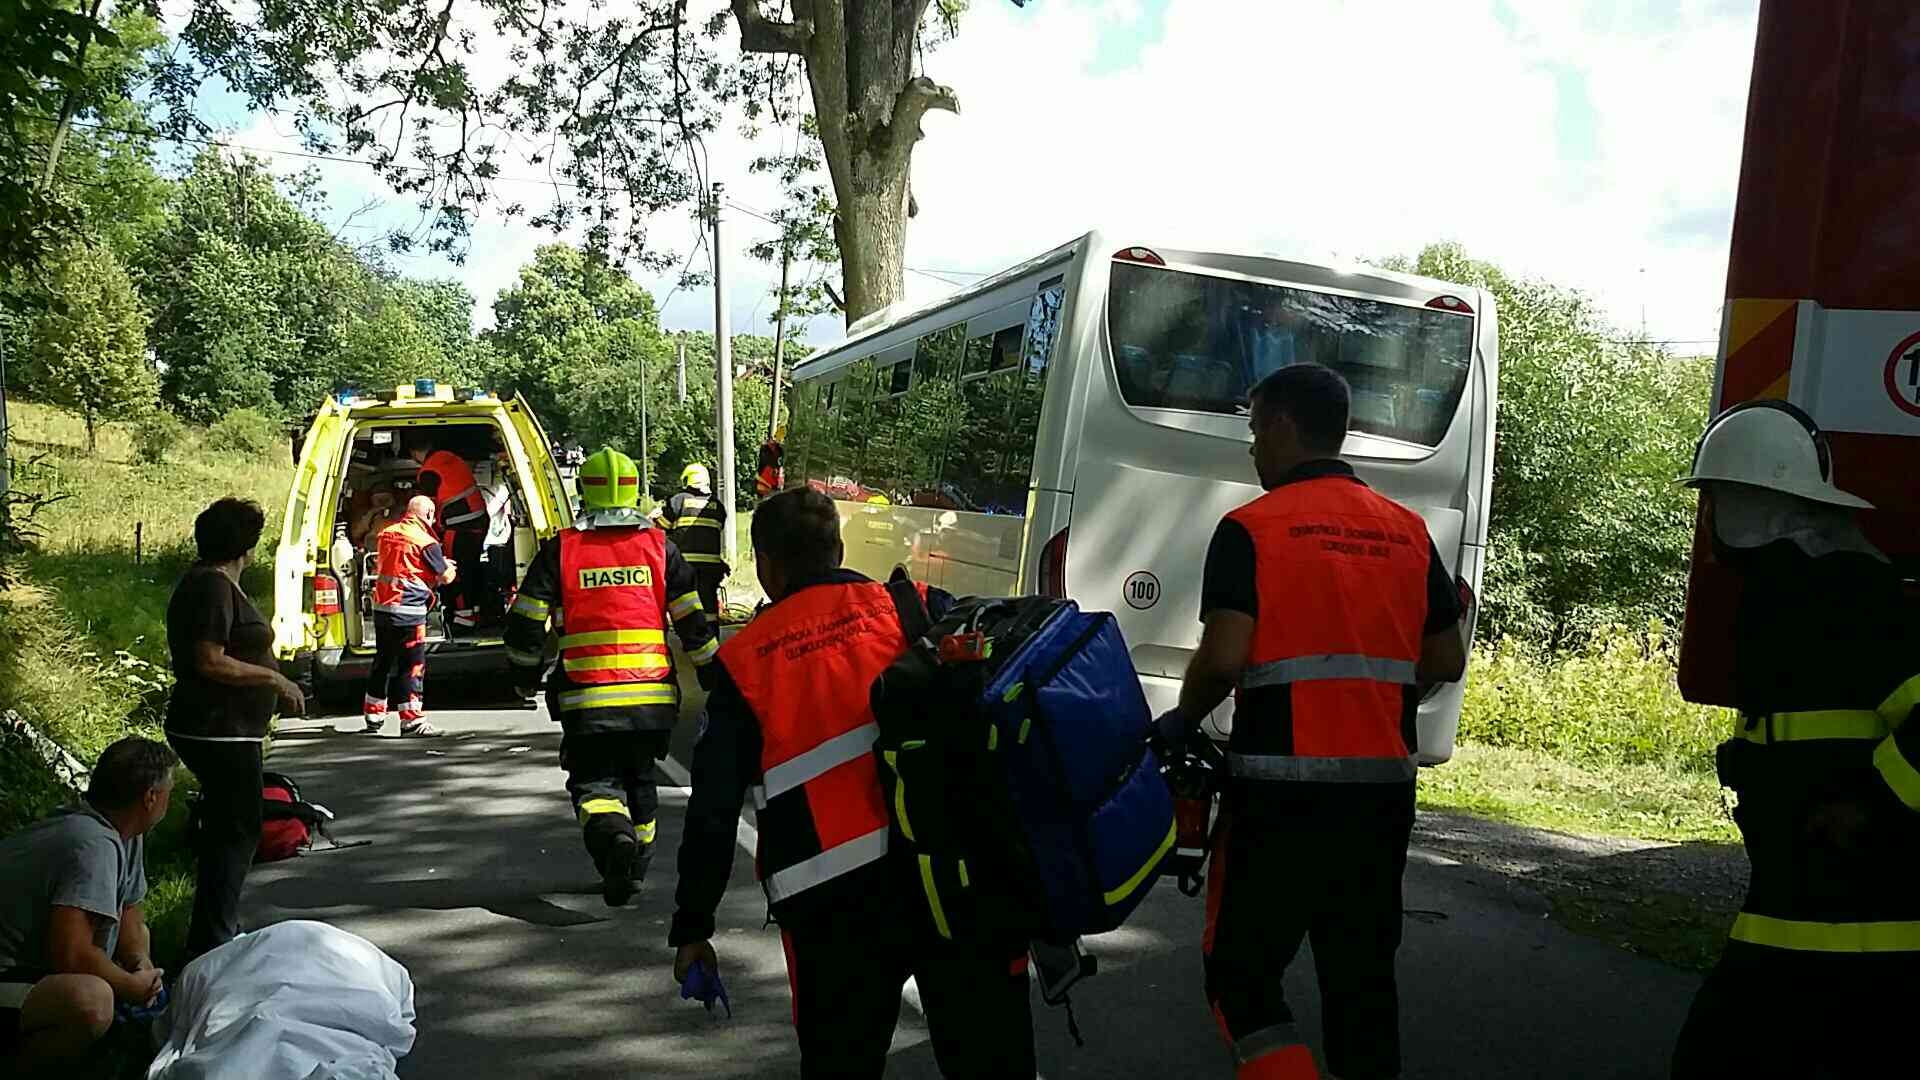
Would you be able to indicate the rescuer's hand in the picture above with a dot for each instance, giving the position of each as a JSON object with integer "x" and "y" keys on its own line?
{"x": 453, "y": 571}
{"x": 693, "y": 953}
{"x": 1168, "y": 734}
{"x": 292, "y": 701}
{"x": 140, "y": 987}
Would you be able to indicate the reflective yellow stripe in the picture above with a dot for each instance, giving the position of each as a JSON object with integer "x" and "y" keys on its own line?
{"x": 693, "y": 558}
{"x": 603, "y": 806}
{"x": 1826, "y": 937}
{"x": 1901, "y": 703}
{"x": 965, "y": 881}
{"x": 531, "y": 606}
{"x": 1125, "y": 889}
{"x": 645, "y": 832}
{"x": 705, "y": 653}
{"x": 899, "y": 793}
{"x": 684, "y": 606}
{"x": 613, "y": 637}
{"x": 695, "y": 522}
{"x": 993, "y": 736}
{"x": 933, "y": 898}
{"x": 1898, "y": 772}
{"x": 625, "y": 661}
{"x": 523, "y": 659}
{"x": 1026, "y": 726}
{"x": 613, "y": 697}
{"x": 1810, "y": 724}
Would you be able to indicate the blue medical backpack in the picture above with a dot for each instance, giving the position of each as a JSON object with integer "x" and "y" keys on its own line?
{"x": 1013, "y": 755}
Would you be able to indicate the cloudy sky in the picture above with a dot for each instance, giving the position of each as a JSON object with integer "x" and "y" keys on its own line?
{"x": 1593, "y": 143}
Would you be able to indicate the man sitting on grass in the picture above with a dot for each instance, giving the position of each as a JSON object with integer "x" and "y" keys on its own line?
{"x": 72, "y": 939}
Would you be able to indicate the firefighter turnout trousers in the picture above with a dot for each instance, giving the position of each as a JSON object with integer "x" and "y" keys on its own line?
{"x": 846, "y": 968}
{"x": 610, "y": 779}
{"x": 1325, "y": 866}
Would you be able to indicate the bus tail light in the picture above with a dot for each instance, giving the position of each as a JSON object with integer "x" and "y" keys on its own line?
{"x": 1139, "y": 255}
{"x": 1451, "y": 303}
{"x": 326, "y": 595}
{"x": 1467, "y": 600}
{"x": 1053, "y": 567}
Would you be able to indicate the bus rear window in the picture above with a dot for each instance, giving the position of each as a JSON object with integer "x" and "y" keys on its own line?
{"x": 1187, "y": 341}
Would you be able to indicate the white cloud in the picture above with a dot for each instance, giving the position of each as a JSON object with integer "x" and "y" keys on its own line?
{"x": 1592, "y": 144}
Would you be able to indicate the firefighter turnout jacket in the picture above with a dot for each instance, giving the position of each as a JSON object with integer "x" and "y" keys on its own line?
{"x": 789, "y": 722}
{"x": 409, "y": 564}
{"x": 1827, "y": 670}
{"x": 448, "y": 480}
{"x": 609, "y": 585}
{"x": 694, "y": 522}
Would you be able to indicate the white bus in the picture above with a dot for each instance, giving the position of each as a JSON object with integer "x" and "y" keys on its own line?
{"x": 1076, "y": 425}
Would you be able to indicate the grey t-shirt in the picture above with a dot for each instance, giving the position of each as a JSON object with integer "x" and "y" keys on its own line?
{"x": 77, "y": 859}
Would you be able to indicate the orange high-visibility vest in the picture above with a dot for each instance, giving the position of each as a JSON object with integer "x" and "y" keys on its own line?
{"x": 1328, "y": 689}
{"x": 805, "y": 667}
{"x": 404, "y": 587}
{"x": 613, "y": 596}
{"x": 459, "y": 500}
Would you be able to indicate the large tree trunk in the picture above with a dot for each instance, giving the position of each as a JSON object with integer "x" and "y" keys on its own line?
{"x": 871, "y": 230}
{"x": 868, "y": 103}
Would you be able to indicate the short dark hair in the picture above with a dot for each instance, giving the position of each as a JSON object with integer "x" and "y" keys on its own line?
{"x": 800, "y": 530}
{"x": 1316, "y": 398}
{"x": 127, "y": 770}
{"x": 228, "y": 529}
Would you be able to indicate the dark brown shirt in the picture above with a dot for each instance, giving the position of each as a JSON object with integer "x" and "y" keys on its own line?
{"x": 208, "y": 606}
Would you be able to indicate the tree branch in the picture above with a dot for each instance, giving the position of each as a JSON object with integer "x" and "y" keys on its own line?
{"x": 759, "y": 34}
{"x": 916, "y": 99}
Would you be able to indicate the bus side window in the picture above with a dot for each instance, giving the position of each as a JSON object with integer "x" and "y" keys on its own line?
{"x": 1029, "y": 387}
{"x": 929, "y": 417}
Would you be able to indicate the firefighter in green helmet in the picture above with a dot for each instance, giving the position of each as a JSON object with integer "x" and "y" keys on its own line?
{"x": 610, "y": 584}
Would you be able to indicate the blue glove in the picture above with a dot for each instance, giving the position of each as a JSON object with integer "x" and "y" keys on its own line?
{"x": 125, "y": 1013}
{"x": 703, "y": 985}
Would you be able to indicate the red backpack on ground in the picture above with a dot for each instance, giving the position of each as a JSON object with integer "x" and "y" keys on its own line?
{"x": 288, "y": 823}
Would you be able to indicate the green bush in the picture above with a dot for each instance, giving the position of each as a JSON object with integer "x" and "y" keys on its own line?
{"x": 1611, "y": 701}
{"x": 244, "y": 431}
{"x": 157, "y": 433}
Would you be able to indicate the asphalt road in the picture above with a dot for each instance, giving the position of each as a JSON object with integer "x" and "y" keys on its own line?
{"x": 476, "y": 881}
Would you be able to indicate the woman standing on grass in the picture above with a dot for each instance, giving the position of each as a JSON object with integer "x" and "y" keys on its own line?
{"x": 226, "y": 685}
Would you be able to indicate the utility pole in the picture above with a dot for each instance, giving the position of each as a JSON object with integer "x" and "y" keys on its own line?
{"x": 680, "y": 374}
{"x": 723, "y": 375}
{"x": 646, "y": 456}
{"x": 779, "y": 336}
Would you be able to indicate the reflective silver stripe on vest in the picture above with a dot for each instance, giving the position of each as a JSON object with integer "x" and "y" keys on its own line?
{"x": 826, "y": 866}
{"x": 801, "y": 768}
{"x": 401, "y": 609}
{"x": 1335, "y": 666}
{"x": 1349, "y": 770}
{"x": 448, "y": 520}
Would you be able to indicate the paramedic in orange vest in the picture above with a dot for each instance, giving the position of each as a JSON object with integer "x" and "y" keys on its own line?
{"x": 410, "y": 563}
{"x": 609, "y": 584}
{"x": 1327, "y": 610}
{"x": 446, "y": 478}
{"x": 789, "y": 722}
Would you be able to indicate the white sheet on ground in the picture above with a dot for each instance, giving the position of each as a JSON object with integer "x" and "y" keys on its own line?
{"x": 294, "y": 1001}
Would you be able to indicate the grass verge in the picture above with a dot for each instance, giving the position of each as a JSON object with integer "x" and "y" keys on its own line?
{"x": 1539, "y": 789}
{"x": 83, "y": 637}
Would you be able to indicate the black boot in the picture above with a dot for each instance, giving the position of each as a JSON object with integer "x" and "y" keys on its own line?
{"x": 621, "y": 873}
